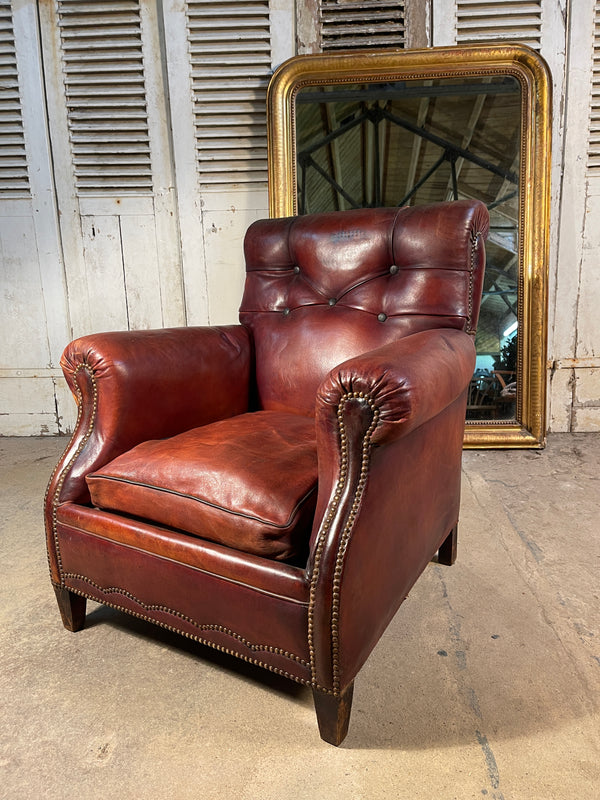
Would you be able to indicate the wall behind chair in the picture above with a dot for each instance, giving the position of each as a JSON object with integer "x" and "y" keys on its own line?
{"x": 133, "y": 158}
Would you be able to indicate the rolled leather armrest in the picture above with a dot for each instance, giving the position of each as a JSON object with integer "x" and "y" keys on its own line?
{"x": 137, "y": 385}
{"x": 406, "y": 398}
{"x": 408, "y": 381}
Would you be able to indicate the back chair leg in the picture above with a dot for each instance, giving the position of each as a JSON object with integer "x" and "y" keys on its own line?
{"x": 448, "y": 548}
{"x": 72, "y": 608}
{"x": 333, "y": 714}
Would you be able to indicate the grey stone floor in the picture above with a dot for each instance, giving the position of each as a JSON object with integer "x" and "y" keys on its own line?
{"x": 485, "y": 685}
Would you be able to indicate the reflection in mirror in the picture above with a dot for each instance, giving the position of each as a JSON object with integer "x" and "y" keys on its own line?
{"x": 413, "y": 142}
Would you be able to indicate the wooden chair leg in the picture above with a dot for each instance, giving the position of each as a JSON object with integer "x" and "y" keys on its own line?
{"x": 448, "y": 548}
{"x": 333, "y": 714}
{"x": 72, "y": 608}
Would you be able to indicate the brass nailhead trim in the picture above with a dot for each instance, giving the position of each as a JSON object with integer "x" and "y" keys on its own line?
{"x": 344, "y": 537}
{"x": 165, "y": 609}
{"x": 81, "y": 367}
{"x": 475, "y": 236}
{"x": 199, "y": 639}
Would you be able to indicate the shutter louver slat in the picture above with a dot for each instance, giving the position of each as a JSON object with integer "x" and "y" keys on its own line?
{"x": 230, "y": 53}
{"x": 103, "y": 70}
{"x": 14, "y": 178}
{"x": 353, "y": 24}
{"x": 499, "y": 20}
{"x": 594, "y": 128}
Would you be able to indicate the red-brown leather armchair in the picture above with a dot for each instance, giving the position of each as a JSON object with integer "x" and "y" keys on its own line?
{"x": 273, "y": 489}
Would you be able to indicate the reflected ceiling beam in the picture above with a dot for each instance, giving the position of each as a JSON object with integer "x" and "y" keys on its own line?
{"x": 424, "y": 179}
{"x": 480, "y": 99}
{"x": 506, "y": 191}
{"x": 382, "y": 142}
{"x": 400, "y": 90}
{"x": 370, "y": 118}
{"x": 308, "y": 161}
{"x": 494, "y": 290}
{"x": 386, "y": 150}
{"x": 417, "y": 142}
{"x": 508, "y": 175}
{"x": 369, "y": 143}
{"x": 330, "y": 119}
{"x": 503, "y": 226}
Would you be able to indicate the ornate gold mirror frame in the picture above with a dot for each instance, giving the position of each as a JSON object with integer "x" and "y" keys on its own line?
{"x": 437, "y": 74}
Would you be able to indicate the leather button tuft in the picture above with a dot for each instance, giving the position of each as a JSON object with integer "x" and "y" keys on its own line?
{"x": 393, "y": 269}
{"x": 382, "y": 317}
{"x": 286, "y": 312}
{"x": 332, "y": 301}
{"x": 296, "y": 269}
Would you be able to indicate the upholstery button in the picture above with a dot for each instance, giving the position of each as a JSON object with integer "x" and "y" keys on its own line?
{"x": 332, "y": 301}
{"x": 393, "y": 269}
{"x": 296, "y": 269}
{"x": 286, "y": 312}
{"x": 382, "y": 317}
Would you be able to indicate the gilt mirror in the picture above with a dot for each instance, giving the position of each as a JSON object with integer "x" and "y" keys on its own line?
{"x": 394, "y": 128}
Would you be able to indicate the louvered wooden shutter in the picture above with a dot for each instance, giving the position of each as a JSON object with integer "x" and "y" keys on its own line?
{"x": 594, "y": 131}
{"x": 105, "y": 94}
{"x": 354, "y": 24}
{"x": 14, "y": 181}
{"x": 493, "y": 20}
{"x": 230, "y": 51}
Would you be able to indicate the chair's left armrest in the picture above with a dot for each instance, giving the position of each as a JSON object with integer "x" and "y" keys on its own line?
{"x": 408, "y": 381}
{"x": 389, "y": 427}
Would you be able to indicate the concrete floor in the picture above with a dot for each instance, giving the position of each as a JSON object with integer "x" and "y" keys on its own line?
{"x": 486, "y": 684}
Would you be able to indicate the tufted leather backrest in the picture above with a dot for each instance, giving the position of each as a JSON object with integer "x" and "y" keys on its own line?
{"x": 322, "y": 288}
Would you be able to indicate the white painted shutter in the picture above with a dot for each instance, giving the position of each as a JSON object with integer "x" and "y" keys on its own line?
{"x": 354, "y": 24}
{"x": 14, "y": 181}
{"x": 112, "y": 163}
{"x": 594, "y": 130}
{"x": 230, "y": 52}
{"x": 33, "y": 305}
{"x": 105, "y": 94}
{"x": 499, "y": 20}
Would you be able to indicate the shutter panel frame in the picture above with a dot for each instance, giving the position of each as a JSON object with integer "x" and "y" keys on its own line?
{"x": 362, "y": 24}
{"x": 14, "y": 174}
{"x": 229, "y": 44}
{"x": 104, "y": 79}
{"x": 499, "y": 20}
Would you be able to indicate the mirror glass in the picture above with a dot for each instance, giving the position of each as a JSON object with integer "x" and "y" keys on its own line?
{"x": 414, "y": 142}
{"x": 405, "y": 127}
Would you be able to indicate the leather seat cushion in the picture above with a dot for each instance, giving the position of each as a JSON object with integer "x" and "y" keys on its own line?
{"x": 248, "y": 482}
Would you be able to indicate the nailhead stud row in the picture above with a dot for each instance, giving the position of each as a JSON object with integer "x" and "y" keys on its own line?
{"x": 199, "y": 639}
{"x": 345, "y": 536}
{"x": 166, "y": 610}
{"x": 83, "y": 367}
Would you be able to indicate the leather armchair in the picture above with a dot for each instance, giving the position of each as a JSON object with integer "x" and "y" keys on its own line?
{"x": 273, "y": 489}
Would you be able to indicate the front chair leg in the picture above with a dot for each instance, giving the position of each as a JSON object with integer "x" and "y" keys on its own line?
{"x": 448, "y": 548}
{"x": 333, "y": 714}
{"x": 72, "y": 608}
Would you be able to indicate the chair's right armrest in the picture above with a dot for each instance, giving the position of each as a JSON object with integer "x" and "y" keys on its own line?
{"x": 131, "y": 386}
